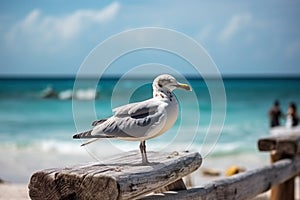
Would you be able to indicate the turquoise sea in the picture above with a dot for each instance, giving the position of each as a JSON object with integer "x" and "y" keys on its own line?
{"x": 36, "y": 132}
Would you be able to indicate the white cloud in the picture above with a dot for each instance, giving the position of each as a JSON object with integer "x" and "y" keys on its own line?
{"x": 39, "y": 29}
{"x": 205, "y": 33}
{"x": 236, "y": 23}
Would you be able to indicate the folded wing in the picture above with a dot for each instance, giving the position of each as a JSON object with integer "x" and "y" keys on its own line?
{"x": 135, "y": 121}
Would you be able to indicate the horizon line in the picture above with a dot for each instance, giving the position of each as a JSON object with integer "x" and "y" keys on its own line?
{"x": 188, "y": 76}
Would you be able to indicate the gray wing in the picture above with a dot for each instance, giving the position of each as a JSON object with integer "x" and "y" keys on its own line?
{"x": 133, "y": 121}
{"x": 137, "y": 109}
{"x": 97, "y": 122}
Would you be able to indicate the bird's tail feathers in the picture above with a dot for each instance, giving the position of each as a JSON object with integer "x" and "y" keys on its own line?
{"x": 85, "y": 134}
{"x": 90, "y": 141}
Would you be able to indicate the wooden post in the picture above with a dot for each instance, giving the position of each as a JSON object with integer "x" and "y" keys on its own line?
{"x": 282, "y": 147}
{"x": 123, "y": 177}
{"x": 285, "y": 190}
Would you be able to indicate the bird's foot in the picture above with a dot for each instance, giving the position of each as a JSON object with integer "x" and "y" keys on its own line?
{"x": 145, "y": 160}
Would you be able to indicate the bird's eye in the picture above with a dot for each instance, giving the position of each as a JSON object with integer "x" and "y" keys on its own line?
{"x": 160, "y": 85}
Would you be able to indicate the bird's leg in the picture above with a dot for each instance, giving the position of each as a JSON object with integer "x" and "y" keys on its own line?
{"x": 143, "y": 152}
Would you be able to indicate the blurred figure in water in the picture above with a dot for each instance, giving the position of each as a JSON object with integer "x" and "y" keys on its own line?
{"x": 275, "y": 114}
{"x": 292, "y": 118}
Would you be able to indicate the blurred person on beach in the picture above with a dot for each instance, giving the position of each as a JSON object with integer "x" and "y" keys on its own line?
{"x": 274, "y": 114}
{"x": 292, "y": 118}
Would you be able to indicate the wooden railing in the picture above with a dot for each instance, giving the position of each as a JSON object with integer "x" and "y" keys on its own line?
{"x": 283, "y": 147}
{"x": 125, "y": 178}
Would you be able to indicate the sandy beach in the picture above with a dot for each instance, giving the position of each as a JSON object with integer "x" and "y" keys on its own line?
{"x": 9, "y": 191}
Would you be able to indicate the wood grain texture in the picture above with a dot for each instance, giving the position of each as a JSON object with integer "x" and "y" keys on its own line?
{"x": 123, "y": 177}
{"x": 242, "y": 186}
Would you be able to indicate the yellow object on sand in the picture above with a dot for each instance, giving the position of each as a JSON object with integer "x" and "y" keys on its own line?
{"x": 232, "y": 170}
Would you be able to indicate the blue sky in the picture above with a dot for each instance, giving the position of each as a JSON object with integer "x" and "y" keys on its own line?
{"x": 243, "y": 37}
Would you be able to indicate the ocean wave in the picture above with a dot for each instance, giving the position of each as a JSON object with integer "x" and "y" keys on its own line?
{"x": 45, "y": 146}
{"x": 111, "y": 147}
{"x": 46, "y": 154}
{"x": 80, "y": 94}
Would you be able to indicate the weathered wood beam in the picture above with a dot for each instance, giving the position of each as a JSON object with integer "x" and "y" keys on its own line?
{"x": 267, "y": 144}
{"x": 242, "y": 186}
{"x": 289, "y": 144}
{"x": 123, "y": 177}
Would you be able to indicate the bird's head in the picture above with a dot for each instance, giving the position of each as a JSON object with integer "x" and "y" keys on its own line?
{"x": 167, "y": 82}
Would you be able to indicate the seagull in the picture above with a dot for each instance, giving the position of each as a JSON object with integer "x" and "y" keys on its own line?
{"x": 143, "y": 120}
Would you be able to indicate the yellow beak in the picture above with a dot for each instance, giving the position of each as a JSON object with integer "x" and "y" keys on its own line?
{"x": 184, "y": 86}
